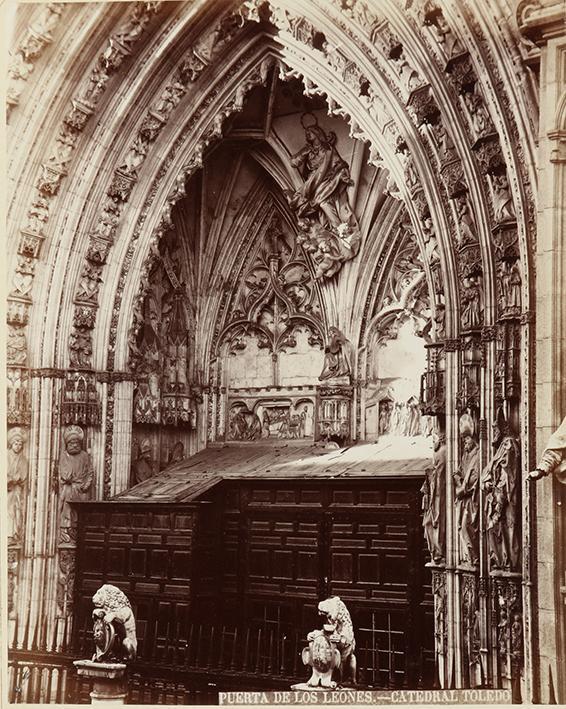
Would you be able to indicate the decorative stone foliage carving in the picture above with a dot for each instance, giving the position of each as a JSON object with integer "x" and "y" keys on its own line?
{"x": 65, "y": 581}
{"x": 507, "y": 619}
{"x": 16, "y": 346}
{"x": 440, "y": 621}
{"x": 159, "y": 348}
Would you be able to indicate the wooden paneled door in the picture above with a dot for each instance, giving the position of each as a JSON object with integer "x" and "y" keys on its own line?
{"x": 291, "y": 547}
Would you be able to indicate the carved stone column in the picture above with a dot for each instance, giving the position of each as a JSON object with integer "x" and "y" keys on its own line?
{"x": 543, "y": 24}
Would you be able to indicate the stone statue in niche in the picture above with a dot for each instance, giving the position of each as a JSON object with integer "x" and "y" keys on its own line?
{"x": 384, "y": 422}
{"x": 478, "y": 113}
{"x": 337, "y": 356}
{"x": 433, "y": 505}
{"x": 76, "y": 476}
{"x": 142, "y": 466}
{"x": 329, "y": 228}
{"x": 502, "y": 201}
{"x": 17, "y": 473}
{"x": 553, "y": 459}
{"x": 471, "y": 302}
{"x": 500, "y": 482}
{"x": 510, "y": 287}
{"x": 466, "y": 484}
{"x": 467, "y": 232}
{"x": 413, "y": 425}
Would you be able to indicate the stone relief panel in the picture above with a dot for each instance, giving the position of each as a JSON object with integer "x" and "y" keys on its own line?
{"x": 265, "y": 418}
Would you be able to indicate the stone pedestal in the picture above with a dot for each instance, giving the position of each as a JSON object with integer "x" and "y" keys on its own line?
{"x": 109, "y": 686}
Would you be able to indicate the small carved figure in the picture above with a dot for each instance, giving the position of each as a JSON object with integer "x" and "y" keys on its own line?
{"x": 553, "y": 459}
{"x": 142, "y": 466}
{"x": 337, "y": 615}
{"x": 38, "y": 215}
{"x": 114, "y": 626}
{"x": 501, "y": 482}
{"x": 17, "y": 473}
{"x": 96, "y": 84}
{"x": 337, "y": 356}
{"x": 478, "y": 113}
{"x": 471, "y": 302}
{"x": 467, "y": 232}
{"x": 135, "y": 156}
{"x": 384, "y": 417}
{"x": 170, "y": 98}
{"x": 434, "y": 508}
{"x": 502, "y": 201}
{"x": 76, "y": 476}
{"x": 466, "y": 483}
{"x": 16, "y": 347}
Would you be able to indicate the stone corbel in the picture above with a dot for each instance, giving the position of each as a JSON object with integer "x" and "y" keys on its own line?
{"x": 541, "y": 21}
{"x": 558, "y": 152}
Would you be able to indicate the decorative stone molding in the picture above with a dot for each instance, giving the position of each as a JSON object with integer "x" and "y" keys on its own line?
{"x": 37, "y": 36}
{"x": 54, "y": 168}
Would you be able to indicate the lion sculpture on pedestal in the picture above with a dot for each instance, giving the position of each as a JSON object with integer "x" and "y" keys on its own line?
{"x": 337, "y": 615}
{"x": 331, "y": 650}
{"x": 114, "y": 626}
